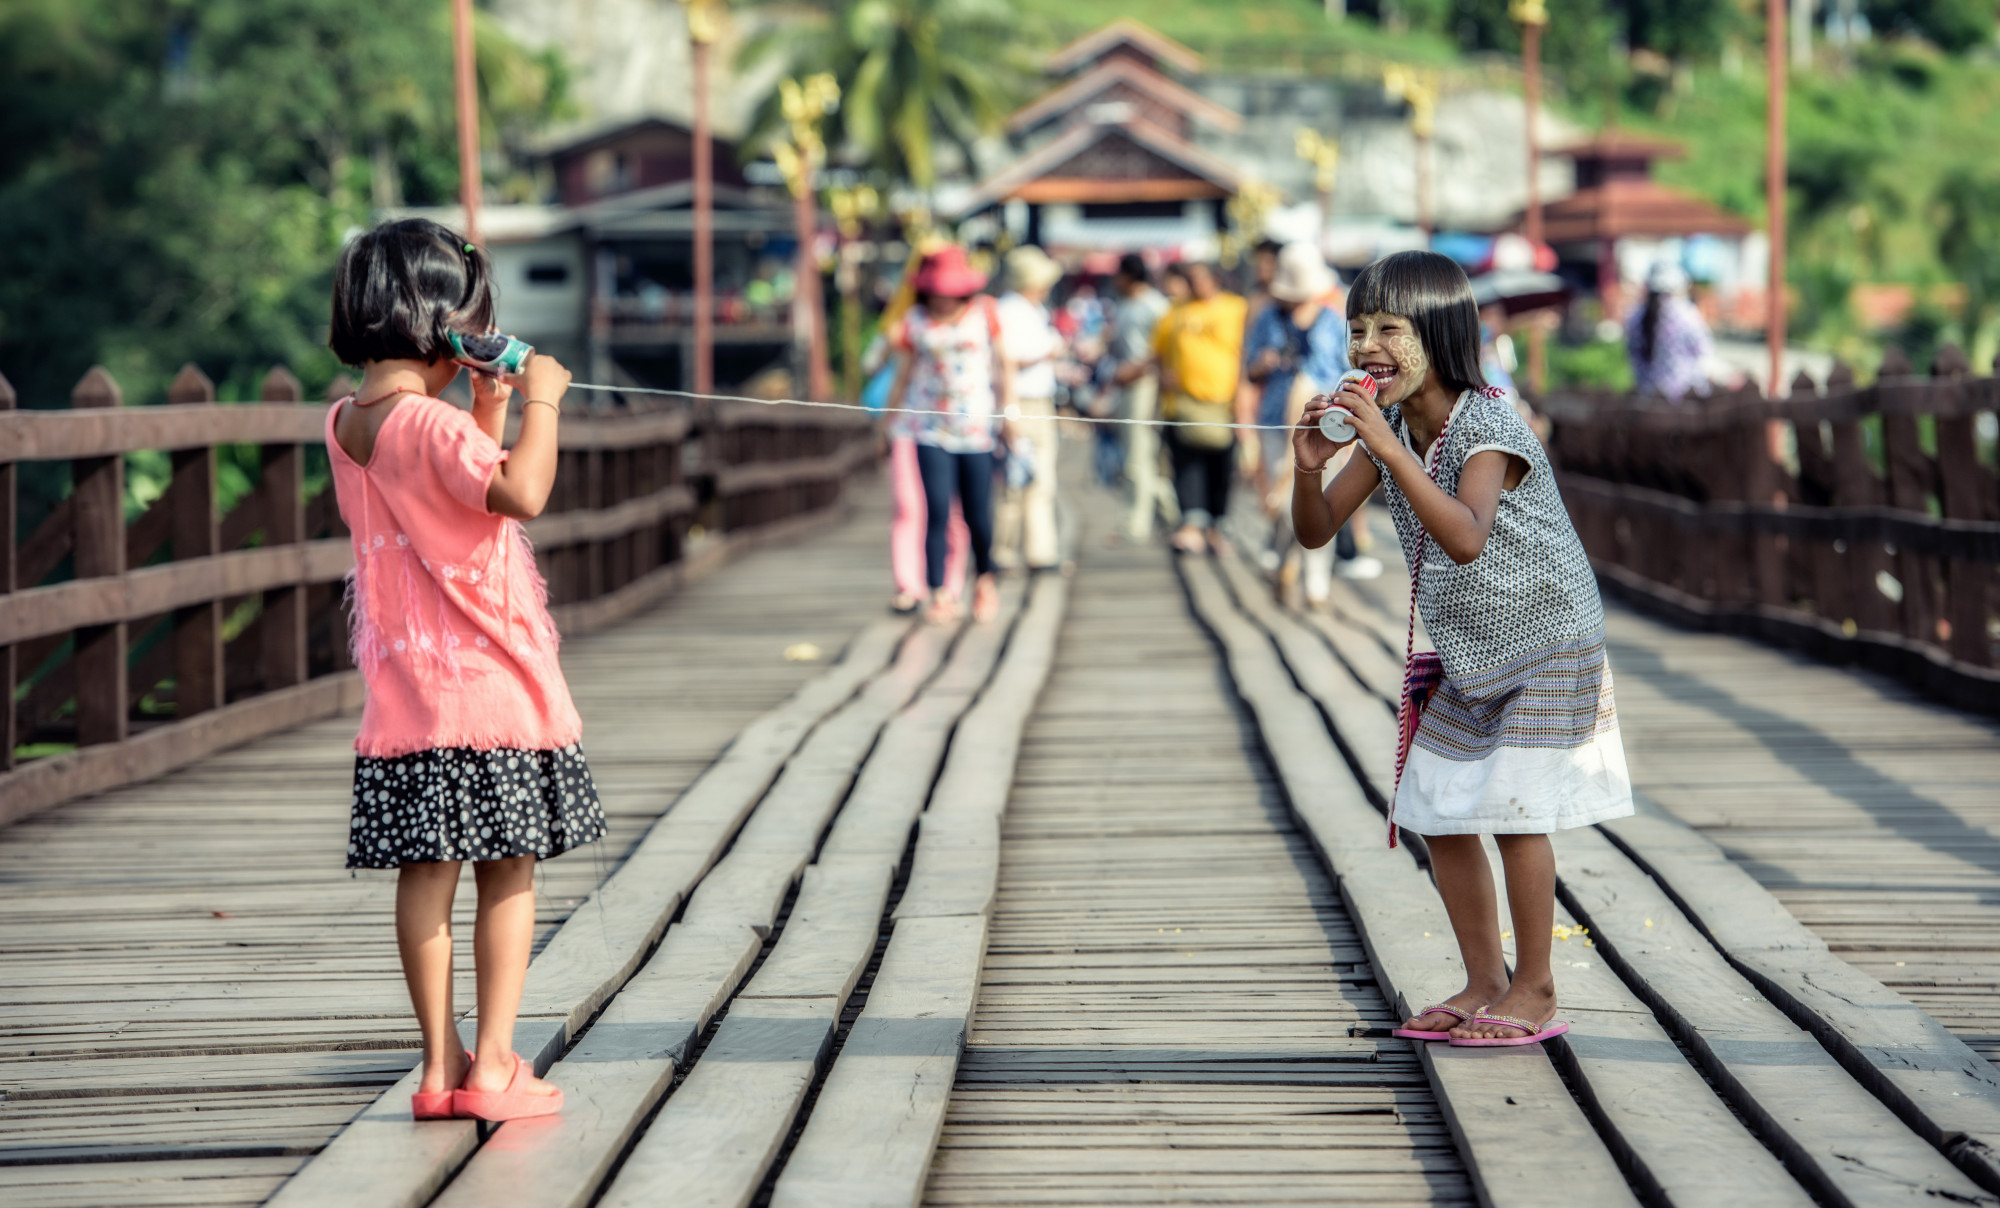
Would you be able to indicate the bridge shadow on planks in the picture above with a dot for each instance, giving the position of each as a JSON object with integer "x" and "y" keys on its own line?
{"x": 1824, "y": 762}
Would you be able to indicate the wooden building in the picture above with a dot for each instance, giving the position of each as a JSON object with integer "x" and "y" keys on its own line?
{"x": 1106, "y": 159}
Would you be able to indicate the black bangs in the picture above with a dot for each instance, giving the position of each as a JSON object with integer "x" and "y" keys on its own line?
{"x": 1432, "y": 292}
{"x": 401, "y": 287}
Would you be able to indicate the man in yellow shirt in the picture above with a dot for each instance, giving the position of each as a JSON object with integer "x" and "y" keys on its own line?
{"x": 1200, "y": 348}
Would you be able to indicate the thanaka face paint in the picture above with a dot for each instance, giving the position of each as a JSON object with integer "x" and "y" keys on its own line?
{"x": 1388, "y": 347}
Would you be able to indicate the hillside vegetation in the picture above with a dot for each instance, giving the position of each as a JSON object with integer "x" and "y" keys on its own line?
{"x": 1895, "y": 146}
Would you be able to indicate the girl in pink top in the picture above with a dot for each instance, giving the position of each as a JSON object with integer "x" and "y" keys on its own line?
{"x": 468, "y": 744}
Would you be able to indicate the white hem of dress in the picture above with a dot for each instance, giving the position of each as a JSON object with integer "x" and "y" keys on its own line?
{"x": 1516, "y": 790}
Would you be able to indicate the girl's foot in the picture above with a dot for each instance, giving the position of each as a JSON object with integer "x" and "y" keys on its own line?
{"x": 433, "y": 1097}
{"x": 1443, "y": 1023}
{"x": 1536, "y": 1004}
{"x": 943, "y": 610}
{"x": 985, "y": 601}
{"x": 904, "y": 604}
{"x": 1217, "y": 543}
{"x": 446, "y": 1077}
{"x": 1187, "y": 539}
{"x": 501, "y": 1090}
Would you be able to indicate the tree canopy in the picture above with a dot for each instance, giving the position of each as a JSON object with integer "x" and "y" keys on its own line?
{"x": 175, "y": 177}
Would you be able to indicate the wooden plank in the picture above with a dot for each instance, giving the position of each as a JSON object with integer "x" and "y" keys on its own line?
{"x": 831, "y": 932}
{"x": 384, "y": 1158}
{"x": 957, "y": 866}
{"x": 877, "y": 1119}
{"x": 584, "y": 970}
{"x": 37, "y": 786}
{"x": 1491, "y": 1104}
{"x": 1930, "y": 1078}
{"x": 719, "y": 1132}
{"x": 977, "y": 776}
{"x": 612, "y": 1078}
{"x": 1840, "y": 1139}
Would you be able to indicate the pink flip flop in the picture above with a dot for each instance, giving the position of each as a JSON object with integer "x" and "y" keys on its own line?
{"x": 434, "y": 1105}
{"x": 1536, "y": 1032}
{"x": 1427, "y": 1034}
{"x": 510, "y": 1104}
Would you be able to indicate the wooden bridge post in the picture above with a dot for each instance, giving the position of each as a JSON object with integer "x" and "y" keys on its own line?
{"x": 283, "y": 653}
{"x": 97, "y": 542}
{"x": 1911, "y": 480}
{"x": 1964, "y": 486}
{"x": 199, "y": 683}
{"x": 1855, "y": 486}
{"x": 1833, "y": 599}
{"x": 8, "y": 520}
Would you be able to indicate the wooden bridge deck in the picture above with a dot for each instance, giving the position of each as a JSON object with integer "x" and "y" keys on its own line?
{"x": 1089, "y": 906}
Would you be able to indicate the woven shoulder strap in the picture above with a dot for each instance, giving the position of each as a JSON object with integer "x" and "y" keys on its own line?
{"x": 1406, "y": 709}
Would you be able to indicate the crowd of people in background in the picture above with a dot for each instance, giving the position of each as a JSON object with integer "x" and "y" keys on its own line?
{"x": 973, "y": 382}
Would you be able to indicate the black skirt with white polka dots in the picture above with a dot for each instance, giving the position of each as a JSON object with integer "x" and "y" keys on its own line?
{"x": 458, "y": 803}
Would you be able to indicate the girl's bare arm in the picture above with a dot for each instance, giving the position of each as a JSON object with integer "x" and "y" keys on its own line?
{"x": 1317, "y": 515}
{"x": 521, "y": 484}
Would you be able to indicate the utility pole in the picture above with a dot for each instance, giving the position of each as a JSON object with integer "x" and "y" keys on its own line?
{"x": 703, "y": 27}
{"x": 466, "y": 86}
{"x": 1533, "y": 15}
{"x": 1774, "y": 190}
{"x": 1323, "y": 154}
{"x": 1420, "y": 90}
{"x": 804, "y": 104}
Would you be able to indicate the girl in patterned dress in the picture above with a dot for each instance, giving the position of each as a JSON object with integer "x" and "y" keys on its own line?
{"x": 1518, "y": 736}
{"x": 468, "y": 743}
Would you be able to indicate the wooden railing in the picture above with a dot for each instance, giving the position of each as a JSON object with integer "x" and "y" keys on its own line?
{"x": 1862, "y": 524}
{"x": 131, "y": 648}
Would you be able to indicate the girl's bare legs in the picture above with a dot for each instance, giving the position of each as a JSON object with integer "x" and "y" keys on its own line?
{"x": 1530, "y": 863}
{"x": 1465, "y": 882}
{"x": 501, "y": 937}
{"x": 423, "y": 938}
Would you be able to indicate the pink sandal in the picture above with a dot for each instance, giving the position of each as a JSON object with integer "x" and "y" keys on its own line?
{"x": 1426, "y": 1033}
{"x": 1536, "y": 1033}
{"x": 510, "y": 1104}
{"x": 435, "y": 1105}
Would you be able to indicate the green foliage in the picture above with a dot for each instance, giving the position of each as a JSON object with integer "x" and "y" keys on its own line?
{"x": 175, "y": 178}
{"x": 1968, "y": 237}
{"x": 910, "y": 72}
{"x": 1598, "y": 364}
{"x": 1953, "y": 25}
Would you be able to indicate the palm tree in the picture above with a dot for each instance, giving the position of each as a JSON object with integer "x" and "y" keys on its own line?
{"x": 911, "y": 72}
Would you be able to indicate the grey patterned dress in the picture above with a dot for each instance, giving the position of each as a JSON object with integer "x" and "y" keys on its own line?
{"x": 1521, "y": 737}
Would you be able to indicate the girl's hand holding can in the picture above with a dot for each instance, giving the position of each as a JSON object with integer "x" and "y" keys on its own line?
{"x": 542, "y": 380}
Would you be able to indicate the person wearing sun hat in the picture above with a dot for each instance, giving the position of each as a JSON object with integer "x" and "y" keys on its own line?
{"x": 1297, "y": 348}
{"x": 954, "y": 376}
{"x": 1024, "y": 526}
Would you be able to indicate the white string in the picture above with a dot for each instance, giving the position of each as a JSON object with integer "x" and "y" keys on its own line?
{"x": 801, "y": 402}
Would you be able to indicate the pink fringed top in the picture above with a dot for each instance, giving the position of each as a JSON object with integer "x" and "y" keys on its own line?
{"x": 449, "y": 621}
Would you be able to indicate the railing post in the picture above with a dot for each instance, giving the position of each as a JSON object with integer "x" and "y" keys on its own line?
{"x": 283, "y": 657}
{"x": 1832, "y": 597}
{"x": 97, "y": 542}
{"x": 8, "y": 520}
{"x": 1960, "y": 485}
{"x": 1912, "y": 478}
{"x": 199, "y": 683}
{"x": 1855, "y": 486}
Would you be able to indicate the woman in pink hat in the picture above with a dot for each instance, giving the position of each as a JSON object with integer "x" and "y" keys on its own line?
{"x": 955, "y": 386}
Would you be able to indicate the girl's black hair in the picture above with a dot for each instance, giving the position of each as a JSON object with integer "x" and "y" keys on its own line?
{"x": 1432, "y": 292}
{"x": 399, "y": 288}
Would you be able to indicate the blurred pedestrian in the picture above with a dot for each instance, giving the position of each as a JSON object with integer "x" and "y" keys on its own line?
{"x": 906, "y": 487}
{"x": 953, "y": 371}
{"x": 1024, "y": 527}
{"x": 1140, "y": 309}
{"x": 1297, "y": 348}
{"x": 1667, "y": 339}
{"x": 1200, "y": 348}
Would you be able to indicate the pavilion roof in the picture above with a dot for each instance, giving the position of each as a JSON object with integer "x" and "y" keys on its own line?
{"x": 1124, "y": 32}
{"x": 1110, "y": 74}
{"x": 1618, "y": 208}
{"x": 1132, "y": 160}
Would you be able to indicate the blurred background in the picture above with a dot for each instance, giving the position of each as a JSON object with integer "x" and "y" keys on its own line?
{"x": 176, "y": 178}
